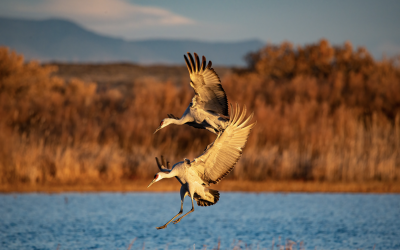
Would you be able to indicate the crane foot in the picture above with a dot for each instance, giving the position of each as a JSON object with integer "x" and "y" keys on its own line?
{"x": 177, "y": 221}
{"x": 158, "y": 228}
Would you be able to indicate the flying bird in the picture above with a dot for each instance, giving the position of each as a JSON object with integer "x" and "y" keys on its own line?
{"x": 212, "y": 166}
{"x": 209, "y": 106}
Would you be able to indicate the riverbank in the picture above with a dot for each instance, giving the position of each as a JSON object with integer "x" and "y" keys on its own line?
{"x": 226, "y": 186}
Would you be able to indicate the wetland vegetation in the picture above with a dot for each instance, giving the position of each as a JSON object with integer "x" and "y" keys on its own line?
{"x": 326, "y": 115}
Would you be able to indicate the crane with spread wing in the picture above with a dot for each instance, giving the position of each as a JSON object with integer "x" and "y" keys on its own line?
{"x": 212, "y": 166}
{"x": 209, "y": 106}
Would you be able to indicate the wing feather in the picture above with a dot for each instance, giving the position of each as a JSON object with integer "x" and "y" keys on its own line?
{"x": 188, "y": 65}
{"x": 220, "y": 158}
{"x": 206, "y": 84}
{"x": 203, "y": 63}
{"x": 192, "y": 62}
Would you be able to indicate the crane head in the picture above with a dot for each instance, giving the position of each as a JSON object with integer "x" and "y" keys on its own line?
{"x": 163, "y": 124}
{"x": 160, "y": 127}
{"x": 157, "y": 177}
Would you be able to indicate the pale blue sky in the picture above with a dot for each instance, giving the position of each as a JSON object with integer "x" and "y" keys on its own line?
{"x": 374, "y": 24}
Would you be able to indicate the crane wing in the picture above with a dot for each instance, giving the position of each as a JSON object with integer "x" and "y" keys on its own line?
{"x": 207, "y": 86}
{"x": 221, "y": 157}
{"x": 162, "y": 166}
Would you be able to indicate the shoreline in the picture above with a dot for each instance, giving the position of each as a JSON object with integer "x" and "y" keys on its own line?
{"x": 225, "y": 186}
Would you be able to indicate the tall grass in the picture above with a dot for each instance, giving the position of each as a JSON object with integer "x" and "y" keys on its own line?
{"x": 324, "y": 113}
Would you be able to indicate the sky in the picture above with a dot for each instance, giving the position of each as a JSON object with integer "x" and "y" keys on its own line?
{"x": 373, "y": 24}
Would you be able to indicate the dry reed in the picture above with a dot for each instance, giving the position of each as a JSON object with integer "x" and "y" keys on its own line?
{"x": 324, "y": 113}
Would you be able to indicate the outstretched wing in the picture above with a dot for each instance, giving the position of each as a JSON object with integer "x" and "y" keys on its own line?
{"x": 207, "y": 85}
{"x": 162, "y": 166}
{"x": 221, "y": 157}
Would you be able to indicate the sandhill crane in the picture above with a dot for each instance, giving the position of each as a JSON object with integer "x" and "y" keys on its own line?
{"x": 210, "y": 167}
{"x": 209, "y": 106}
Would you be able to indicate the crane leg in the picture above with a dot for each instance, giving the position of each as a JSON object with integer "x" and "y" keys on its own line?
{"x": 212, "y": 130}
{"x": 212, "y": 124}
{"x": 179, "y": 219}
{"x": 180, "y": 212}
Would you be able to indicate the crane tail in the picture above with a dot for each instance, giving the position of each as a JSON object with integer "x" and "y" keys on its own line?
{"x": 211, "y": 198}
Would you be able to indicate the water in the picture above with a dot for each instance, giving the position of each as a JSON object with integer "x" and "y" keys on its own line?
{"x": 113, "y": 220}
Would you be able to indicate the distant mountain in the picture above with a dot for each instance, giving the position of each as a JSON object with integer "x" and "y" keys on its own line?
{"x": 64, "y": 41}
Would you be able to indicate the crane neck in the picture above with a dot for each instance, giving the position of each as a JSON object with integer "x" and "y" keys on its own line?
{"x": 167, "y": 174}
{"x": 181, "y": 121}
{"x": 186, "y": 118}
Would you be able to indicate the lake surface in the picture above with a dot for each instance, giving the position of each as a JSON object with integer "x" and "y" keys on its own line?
{"x": 113, "y": 220}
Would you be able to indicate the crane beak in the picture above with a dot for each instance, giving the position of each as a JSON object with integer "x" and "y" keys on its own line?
{"x": 151, "y": 183}
{"x": 157, "y": 130}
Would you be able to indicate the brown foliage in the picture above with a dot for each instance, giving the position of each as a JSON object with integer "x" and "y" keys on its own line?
{"x": 323, "y": 112}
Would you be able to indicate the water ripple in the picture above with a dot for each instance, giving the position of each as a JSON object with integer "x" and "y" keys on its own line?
{"x": 113, "y": 220}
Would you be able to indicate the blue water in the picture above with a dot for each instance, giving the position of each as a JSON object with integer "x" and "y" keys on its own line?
{"x": 113, "y": 220}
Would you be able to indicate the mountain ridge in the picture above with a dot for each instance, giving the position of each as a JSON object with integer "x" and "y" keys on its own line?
{"x": 62, "y": 40}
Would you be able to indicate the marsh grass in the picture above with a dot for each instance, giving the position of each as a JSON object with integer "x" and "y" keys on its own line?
{"x": 324, "y": 114}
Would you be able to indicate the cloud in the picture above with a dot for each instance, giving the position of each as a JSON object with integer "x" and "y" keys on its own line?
{"x": 112, "y": 17}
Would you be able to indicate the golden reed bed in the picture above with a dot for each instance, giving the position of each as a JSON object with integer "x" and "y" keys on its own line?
{"x": 326, "y": 116}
